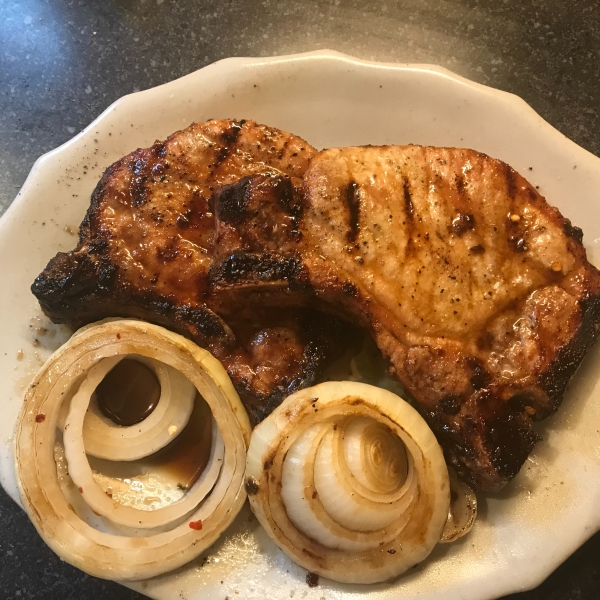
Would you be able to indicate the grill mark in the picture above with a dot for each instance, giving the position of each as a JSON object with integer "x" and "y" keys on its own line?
{"x": 229, "y": 138}
{"x": 243, "y": 267}
{"x": 511, "y": 182}
{"x": 291, "y": 203}
{"x": 409, "y": 217}
{"x": 409, "y": 209}
{"x": 204, "y": 320}
{"x": 284, "y": 192}
{"x": 353, "y": 202}
{"x": 231, "y": 203}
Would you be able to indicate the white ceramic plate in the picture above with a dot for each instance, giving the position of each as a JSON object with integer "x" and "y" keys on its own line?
{"x": 332, "y": 100}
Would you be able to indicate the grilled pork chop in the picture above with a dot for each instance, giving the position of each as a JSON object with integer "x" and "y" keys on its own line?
{"x": 147, "y": 242}
{"x": 477, "y": 292}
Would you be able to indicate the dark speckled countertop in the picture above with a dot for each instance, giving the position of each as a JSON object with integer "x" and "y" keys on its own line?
{"x": 62, "y": 62}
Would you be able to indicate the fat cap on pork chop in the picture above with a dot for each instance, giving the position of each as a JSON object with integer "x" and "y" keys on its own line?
{"x": 478, "y": 293}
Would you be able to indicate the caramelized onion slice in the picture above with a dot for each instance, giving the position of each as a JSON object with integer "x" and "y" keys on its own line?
{"x": 126, "y": 557}
{"x": 349, "y": 481}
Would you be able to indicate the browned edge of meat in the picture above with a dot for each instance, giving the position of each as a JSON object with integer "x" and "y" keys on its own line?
{"x": 279, "y": 351}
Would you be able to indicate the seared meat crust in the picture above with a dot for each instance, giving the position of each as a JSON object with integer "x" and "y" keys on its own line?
{"x": 279, "y": 351}
{"x": 477, "y": 292}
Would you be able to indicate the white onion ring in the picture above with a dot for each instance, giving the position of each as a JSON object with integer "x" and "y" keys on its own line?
{"x": 305, "y": 485}
{"x": 319, "y": 517}
{"x": 107, "y": 555}
{"x": 357, "y": 505}
{"x": 105, "y": 439}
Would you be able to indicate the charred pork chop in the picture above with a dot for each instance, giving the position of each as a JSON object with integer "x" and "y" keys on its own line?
{"x": 477, "y": 292}
{"x": 147, "y": 242}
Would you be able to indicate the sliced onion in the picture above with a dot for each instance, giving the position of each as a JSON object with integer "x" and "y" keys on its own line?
{"x": 105, "y": 439}
{"x": 462, "y": 511}
{"x": 108, "y": 555}
{"x": 374, "y": 503}
{"x": 349, "y": 481}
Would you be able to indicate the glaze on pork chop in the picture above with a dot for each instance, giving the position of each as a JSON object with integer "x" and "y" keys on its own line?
{"x": 147, "y": 242}
{"x": 477, "y": 292}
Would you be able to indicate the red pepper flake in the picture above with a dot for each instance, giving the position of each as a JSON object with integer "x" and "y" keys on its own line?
{"x": 314, "y": 495}
{"x": 196, "y": 525}
{"x": 80, "y": 490}
{"x": 40, "y": 418}
{"x": 118, "y": 336}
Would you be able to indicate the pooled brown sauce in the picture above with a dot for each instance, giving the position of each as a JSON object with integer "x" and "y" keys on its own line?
{"x": 187, "y": 455}
{"x": 128, "y": 393}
